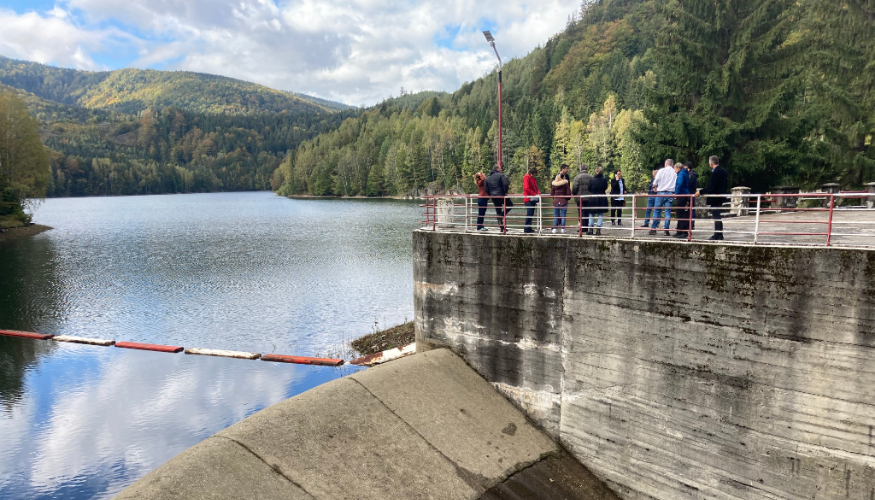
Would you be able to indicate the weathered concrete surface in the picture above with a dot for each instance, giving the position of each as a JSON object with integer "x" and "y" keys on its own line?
{"x": 426, "y": 426}
{"x": 558, "y": 477}
{"x": 215, "y": 469}
{"x": 671, "y": 370}
{"x": 473, "y": 426}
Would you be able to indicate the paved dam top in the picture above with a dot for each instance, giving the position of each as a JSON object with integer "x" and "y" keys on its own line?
{"x": 426, "y": 426}
{"x": 849, "y": 227}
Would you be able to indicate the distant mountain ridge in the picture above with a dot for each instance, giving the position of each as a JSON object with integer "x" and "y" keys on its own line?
{"x": 134, "y": 131}
{"x": 134, "y": 90}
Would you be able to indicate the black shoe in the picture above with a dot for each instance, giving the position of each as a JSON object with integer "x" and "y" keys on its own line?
{"x": 598, "y": 232}
{"x": 619, "y": 223}
{"x": 716, "y": 237}
{"x": 612, "y": 223}
{"x": 680, "y": 235}
{"x": 646, "y": 225}
{"x": 529, "y": 231}
{"x": 589, "y": 233}
{"x": 668, "y": 233}
{"x": 652, "y": 232}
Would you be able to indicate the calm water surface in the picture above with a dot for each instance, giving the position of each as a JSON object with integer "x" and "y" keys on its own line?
{"x": 243, "y": 271}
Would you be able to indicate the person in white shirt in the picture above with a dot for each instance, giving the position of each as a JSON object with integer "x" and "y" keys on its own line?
{"x": 664, "y": 185}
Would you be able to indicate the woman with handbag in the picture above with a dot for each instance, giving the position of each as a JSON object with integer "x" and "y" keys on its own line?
{"x": 560, "y": 190}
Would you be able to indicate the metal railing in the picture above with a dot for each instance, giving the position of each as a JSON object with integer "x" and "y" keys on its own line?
{"x": 823, "y": 219}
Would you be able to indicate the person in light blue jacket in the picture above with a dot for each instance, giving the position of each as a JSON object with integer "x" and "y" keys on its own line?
{"x": 682, "y": 195}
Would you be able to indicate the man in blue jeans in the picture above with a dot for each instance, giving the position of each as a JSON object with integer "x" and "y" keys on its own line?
{"x": 651, "y": 200}
{"x": 664, "y": 184}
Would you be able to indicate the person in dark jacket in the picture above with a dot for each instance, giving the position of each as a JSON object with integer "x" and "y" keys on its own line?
{"x": 682, "y": 191}
{"x": 618, "y": 198}
{"x": 482, "y": 199}
{"x": 598, "y": 204}
{"x": 560, "y": 190}
{"x": 694, "y": 186}
{"x": 718, "y": 184}
{"x": 580, "y": 187}
{"x": 497, "y": 186}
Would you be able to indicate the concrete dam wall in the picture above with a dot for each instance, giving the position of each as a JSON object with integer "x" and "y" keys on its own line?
{"x": 672, "y": 371}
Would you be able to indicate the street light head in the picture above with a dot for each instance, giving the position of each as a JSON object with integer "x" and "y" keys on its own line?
{"x": 488, "y": 36}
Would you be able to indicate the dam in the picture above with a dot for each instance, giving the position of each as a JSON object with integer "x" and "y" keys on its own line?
{"x": 670, "y": 370}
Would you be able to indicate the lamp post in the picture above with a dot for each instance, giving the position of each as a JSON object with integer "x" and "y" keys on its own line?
{"x": 491, "y": 41}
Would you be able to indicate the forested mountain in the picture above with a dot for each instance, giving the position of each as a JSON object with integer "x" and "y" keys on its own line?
{"x": 149, "y": 132}
{"x": 134, "y": 90}
{"x": 781, "y": 90}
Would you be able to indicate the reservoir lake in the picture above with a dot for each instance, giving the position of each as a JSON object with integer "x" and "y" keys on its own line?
{"x": 240, "y": 271}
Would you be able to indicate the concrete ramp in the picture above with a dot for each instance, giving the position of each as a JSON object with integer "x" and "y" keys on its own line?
{"x": 426, "y": 426}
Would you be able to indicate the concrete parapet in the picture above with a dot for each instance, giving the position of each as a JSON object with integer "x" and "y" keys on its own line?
{"x": 740, "y": 201}
{"x": 786, "y": 201}
{"x": 426, "y": 426}
{"x": 671, "y": 370}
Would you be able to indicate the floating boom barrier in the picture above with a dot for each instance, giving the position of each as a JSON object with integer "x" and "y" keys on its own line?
{"x": 300, "y": 360}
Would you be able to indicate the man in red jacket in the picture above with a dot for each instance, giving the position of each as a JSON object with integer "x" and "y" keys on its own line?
{"x": 530, "y": 189}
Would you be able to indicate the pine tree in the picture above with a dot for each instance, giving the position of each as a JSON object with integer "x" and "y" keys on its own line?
{"x": 727, "y": 86}
{"x": 839, "y": 42}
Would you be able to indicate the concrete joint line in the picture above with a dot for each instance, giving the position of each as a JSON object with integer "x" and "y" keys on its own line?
{"x": 464, "y": 473}
{"x": 271, "y": 467}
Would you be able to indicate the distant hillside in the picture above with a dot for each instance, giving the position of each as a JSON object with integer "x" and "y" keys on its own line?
{"x": 165, "y": 149}
{"x": 133, "y": 90}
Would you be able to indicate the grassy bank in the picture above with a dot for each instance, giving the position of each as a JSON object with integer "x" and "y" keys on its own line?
{"x": 397, "y": 336}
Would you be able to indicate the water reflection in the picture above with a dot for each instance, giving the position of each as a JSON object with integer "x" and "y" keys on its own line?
{"x": 29, "y": 300}
{"x": 92, "y": 420}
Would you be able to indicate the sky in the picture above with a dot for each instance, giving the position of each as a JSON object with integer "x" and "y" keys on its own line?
{"x": 359, "y": 52}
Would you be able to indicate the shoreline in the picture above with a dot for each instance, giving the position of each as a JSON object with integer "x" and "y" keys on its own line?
{"x": 14, "y": 233}
{"x": 389, "y": 338}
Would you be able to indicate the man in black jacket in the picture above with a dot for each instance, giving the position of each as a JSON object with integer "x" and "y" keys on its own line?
{"x": 497, "y": 186}
{"x": 718, "y": 184}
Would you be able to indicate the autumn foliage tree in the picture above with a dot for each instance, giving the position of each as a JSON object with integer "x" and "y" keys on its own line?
{"x": 24, "y": 161}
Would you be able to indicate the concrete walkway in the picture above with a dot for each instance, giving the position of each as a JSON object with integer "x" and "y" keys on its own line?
{"x": 426, "y": 426}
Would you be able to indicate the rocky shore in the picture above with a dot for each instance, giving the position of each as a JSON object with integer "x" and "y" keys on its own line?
{"x": 11, "y": 233}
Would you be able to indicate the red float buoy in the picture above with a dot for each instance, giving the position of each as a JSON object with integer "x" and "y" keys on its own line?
{"x": 301, "y": 360}
{"x": 26, "y": 335}
{"x": 149, "y": 347}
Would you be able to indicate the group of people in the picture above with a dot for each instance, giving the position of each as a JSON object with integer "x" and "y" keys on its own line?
{"x": 670, "y": 187}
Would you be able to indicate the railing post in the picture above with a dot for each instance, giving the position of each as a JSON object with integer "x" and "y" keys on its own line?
{"x": 634, "y": 209}
{"x": 829, "y": 227}
{"x": 756, "y": 225}
{"x": 434, "y": 218}
{"x": 467, "y": 198}
{"x": 540, "y": 214}
{"x": 691, "y": 201}
{"x": 504, "y": 216}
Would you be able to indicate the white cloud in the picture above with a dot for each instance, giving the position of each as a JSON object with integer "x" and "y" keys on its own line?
{"x": 358, "y": 51}
{"x": 51, "y": 39}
